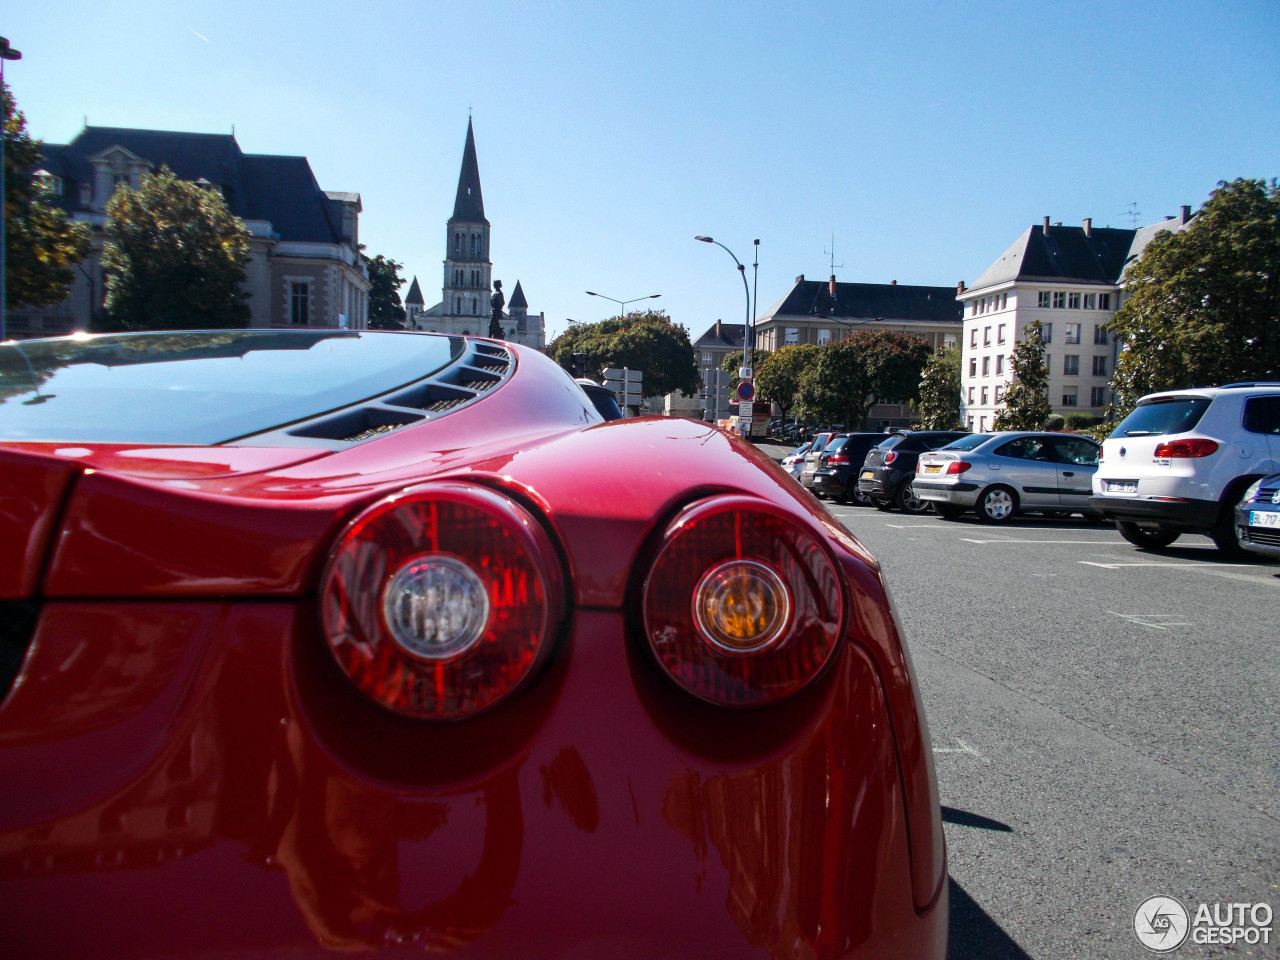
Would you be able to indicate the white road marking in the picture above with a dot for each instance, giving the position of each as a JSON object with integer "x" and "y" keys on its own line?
{"x": 1094, "y": 543}
{"x": 912, "y": 526}
{"x": 1117, "y": 566}
{"x": 1149, "y": 620}
{"x": 963, "y": 748}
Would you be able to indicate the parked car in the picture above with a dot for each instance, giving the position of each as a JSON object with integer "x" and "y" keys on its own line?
{"x": 836, "y": 471}
{"x": 816, "y": 446}
{"x": 793, "y": 462}
{"x": 886, "y": 473}
{"x": 999, "y": 475}
{"x": 1182, "y": 459}
{"x": 1258, "y": 517}
{"x": 602, "y": 398}
{"x": 337, "y": 640}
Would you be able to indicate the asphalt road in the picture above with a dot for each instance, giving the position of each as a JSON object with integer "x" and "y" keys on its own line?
{"x": 1106, "y": 726}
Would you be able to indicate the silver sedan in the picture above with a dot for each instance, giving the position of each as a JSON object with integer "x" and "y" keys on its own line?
{"x": 998, "y": 475}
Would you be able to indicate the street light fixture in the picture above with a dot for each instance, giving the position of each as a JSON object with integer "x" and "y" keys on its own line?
{"x": 746, "y": 327}
{"x": 622, "y": 315}
{"x": 6, "y": 53}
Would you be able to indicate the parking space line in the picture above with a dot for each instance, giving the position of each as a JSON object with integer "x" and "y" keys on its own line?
{"x": 912, "y": 526}
{"x": 1148, "y": 620}
{"x": 1117, "y": 566}
{"x": 963, "y": 748}
{"x": 1093, "y": 543}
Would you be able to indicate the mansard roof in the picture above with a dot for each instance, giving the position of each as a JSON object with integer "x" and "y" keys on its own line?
{"x": 722, "y": 335}
{"x": 1062, "y": 254}
{"x": 469, "y": 203}
{"x": 868, "y": 301}
{"x": 517, "y": 301}
{"x": 279, "y": 189}
{"x": 415, "y": 293}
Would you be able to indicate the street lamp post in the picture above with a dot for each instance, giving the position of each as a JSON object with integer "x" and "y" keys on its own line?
{"x": 622, "y": 315}
{"x": 6, "y": 53}
{"x": 746, "y": 327}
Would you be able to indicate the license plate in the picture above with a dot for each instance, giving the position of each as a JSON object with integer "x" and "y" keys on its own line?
{"x": 1122, "y": 486}
{"x": 867, "y": 474}
{"x": 932, "y": 468}
{"x": 1259, "y": 518}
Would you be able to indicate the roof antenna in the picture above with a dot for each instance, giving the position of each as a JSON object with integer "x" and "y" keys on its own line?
{"x": 832, "y": 254}
{"x": 1133, "y": 214}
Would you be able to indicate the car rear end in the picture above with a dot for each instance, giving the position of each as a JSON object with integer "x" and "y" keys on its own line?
{"x": 947, "y": 477}
{"x": 812, "y": 459}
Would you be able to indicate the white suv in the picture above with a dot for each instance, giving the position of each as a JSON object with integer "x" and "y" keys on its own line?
{"x": 1182, "y": 459}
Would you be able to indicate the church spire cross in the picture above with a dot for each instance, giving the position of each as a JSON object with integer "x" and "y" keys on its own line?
{"x": 469, "y": 203}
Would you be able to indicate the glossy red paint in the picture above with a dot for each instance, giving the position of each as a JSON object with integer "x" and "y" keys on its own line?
{"x": 184, "y": 770}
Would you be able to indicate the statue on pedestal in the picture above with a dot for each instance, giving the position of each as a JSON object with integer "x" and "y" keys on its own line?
{"x": 496, "y": 303}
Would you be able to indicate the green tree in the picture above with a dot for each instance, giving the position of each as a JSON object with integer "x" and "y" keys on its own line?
{"x": 386, "y": 312}
{"x": 646, "y": 341}
{"x": 174, "y": 258}
{"x": 41, "y": 244}
{"x": 1202, "y": 305}
{"x": 1026, "y": 399}
{"x": 778, "y": 375}
{"x": 867, "y": 367}
{"x": 940, "y": 391}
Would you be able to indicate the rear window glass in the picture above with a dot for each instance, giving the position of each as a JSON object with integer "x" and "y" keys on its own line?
{"x": 200, "y": 387}
{"x": 892, "y": 442}
{"x": 836, "y": 444}
{"x": 1159, "y": 417}
{"x": 971, "y": 442}
{"x": 1262, "y": 415}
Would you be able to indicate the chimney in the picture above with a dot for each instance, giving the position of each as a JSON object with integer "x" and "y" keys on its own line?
{"x": 719, "y": 329}
{"x": 800, "y": 279}
{"x": 893, "y": 283}
{"x": 959, "y": 287}
{"x": 1046, "y": 226}
{"x": 832, "y": 286}
{"x": 1088, "y": 226}
{"x": 1186, "y": 213}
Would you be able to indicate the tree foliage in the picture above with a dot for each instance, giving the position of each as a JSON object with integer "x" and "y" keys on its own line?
{"x": 646, "y": 341}
{"x": 1202, "y": 305}
{"x": 778, "y": 375}
{"x": 940, "y": 391}
{"x": 42, "y": 245}
{"x": 867, "y": 367}
{"x": 174, "y": 258}
{"x": 1026, "y": 399}
{"x": 386, "y": 312}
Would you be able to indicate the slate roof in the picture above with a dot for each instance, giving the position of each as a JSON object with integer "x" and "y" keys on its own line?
{"x": 518, "y": 302}
{"x": 469, "y": 203}
{"x": 281, "y": 190}
{"x": 1062, "y": 254}
{"x": 415, "y": 293}
{"x": 730, "y": 337}
{"x": 868, "y": 301}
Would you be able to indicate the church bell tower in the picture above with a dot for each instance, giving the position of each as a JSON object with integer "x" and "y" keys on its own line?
{"x": 467, "y": 267}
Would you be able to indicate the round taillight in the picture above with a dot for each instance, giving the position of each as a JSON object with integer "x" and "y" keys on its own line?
{"x": 743, "y": 604}
{"x": 440, "y": 601}
{"x": 891, "y": 456}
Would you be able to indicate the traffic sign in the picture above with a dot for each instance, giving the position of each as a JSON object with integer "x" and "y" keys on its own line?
{"x": 623, "y": 373}
{"x": 744, "y": 410}
{"x": 746, "y": 390}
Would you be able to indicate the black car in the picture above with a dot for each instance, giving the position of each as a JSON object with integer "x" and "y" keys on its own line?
{"x": 885, "y": 477}
{"x": 836, "y": 472}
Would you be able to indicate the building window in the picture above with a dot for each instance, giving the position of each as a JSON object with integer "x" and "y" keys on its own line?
{"x": 999, "y": 364}
{"x": 971, "y": 397}
{"x": 1098, "y": 397}
{"x": 1000, "y": 333}
{"x": 973, "y": 337}
{"x": 1046, "y": 332}
{"x": 1059, "y": 299}
{"x": 1073, "y": 333}
{"x": 1044, "y": 299}
{"x": 475, "y": 307}
{"x": 1100, "y": 334}
{"x": 982, "y": 425}
{"x": 1004, "y": 300}
{"x": 984, "y": 396}
{"x": 457, "y": 243}
{"x": 1073, "y": 301}
{"x": 986, "y": 336}
{"x": 973, "y": 366}
{"x": 300, "y": 303}
{"x": 793, "y": 335}
{"x": 971, "y": 424}
{"x": 1104, "y": 301}
{"x": 986, "y": 366}
{"x": 708, "y": 359}
{"x": 1069, "y": 397}
{"x": 973, "y": 308}
{"x": 1099, "y": 366}
{"x": 1071, "y": 365}
{"x": 824, "y": 336}
{"x": 999, "y": 393}
{"x": 457, "y": 304}
{"x": 1091, "y": 301}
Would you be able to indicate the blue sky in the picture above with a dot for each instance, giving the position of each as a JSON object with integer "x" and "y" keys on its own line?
{"x": 925, "y": 136}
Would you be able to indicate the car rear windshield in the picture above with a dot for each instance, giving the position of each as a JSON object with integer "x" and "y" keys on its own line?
{"x": 971, "y": 442}
{"x": 836, "y": 445}
{"x": 200, "y": 387}
{"x": 1159, "y": 417}
{"x": 892, "y": 442}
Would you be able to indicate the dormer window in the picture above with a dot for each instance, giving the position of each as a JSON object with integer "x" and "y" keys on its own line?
{"x": 48, "y": 183}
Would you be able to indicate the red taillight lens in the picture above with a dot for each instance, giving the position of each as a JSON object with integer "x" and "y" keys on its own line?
{"x": 1191, "y": 447}
{"x": 891, "y": 456}
{"x": 743, "y": 604}
{"x": 440, "y": 601}
{"x": 958, "y": 466}
{"x": 837, "y": 458}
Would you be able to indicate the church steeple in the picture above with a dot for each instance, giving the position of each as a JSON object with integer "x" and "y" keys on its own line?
{"x": 469, "y": 204}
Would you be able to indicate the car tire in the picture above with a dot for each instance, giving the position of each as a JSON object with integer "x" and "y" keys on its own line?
{"x": 1225, "y": 537}
{"x": 947, "y": 511}
{"x": 997, "y": 505}
{"x": 857, "y": 496}
{"x": 907, "y": 501}
{"x": 1148, "y": 538}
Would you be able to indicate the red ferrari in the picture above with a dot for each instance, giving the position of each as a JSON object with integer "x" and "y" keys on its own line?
{"x": 341, "y": 641}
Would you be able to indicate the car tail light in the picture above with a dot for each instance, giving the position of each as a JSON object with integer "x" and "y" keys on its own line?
{"x": 958, "y": 466}
{"x": 837, "y": 458}
{"x": 1191, "y": 447}
{"x": 440, "y": 601}
{"x": 743, "y": 604}
{"x": 891, "y": 456}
